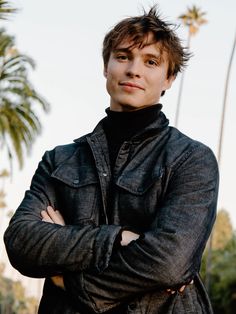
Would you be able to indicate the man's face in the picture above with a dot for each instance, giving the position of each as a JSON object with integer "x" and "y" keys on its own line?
{"x": 136, "y": 77}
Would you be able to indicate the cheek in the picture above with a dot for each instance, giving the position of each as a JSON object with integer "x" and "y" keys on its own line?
{"x": 156, "y": 84}
{"x": 110, "y": 79}
{"x": 161, "y": 83}
{"x": 112, "y": 76}
{"x": 110, "y": 83}
{"x": 115, "y": 69}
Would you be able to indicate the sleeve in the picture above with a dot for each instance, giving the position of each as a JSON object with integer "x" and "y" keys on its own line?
{"x": 169, "y": 254}
{"x": 40, "y": 249}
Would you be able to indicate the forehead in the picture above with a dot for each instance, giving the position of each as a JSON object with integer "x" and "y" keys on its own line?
{"x": 148, "y": 41}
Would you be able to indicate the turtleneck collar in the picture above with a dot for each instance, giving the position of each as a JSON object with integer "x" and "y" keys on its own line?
{"x": 122, "y": 126}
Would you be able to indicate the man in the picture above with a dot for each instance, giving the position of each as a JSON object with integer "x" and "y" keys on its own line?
{"x": 117, "y": 222}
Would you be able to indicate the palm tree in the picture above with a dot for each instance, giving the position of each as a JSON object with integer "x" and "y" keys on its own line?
{"x": 192, "y": 19}
{"x": 6, "y": 10}
{"x": 19, "y": 123}
{"x": 219, "y": 154}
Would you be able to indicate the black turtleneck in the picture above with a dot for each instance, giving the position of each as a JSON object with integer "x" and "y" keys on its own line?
{"x": 122, "y": 126}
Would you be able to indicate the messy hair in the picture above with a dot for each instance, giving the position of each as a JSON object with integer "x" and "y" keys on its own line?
{"x": 136, "y": 29}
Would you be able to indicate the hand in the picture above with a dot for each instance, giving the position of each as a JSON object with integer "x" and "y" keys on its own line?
{"x": 127, "y": 237}
{"x": 54, "y": 216}
{"x": 58, "y": 281}
{"x": 181, "y": 289}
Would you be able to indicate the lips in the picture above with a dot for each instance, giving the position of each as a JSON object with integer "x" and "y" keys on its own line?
{"x": 131, "y": 85}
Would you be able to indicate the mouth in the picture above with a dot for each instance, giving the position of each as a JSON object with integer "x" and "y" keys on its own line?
{"x": 131, "y": 85}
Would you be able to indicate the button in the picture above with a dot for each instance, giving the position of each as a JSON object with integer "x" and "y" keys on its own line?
{"x": 104, "y": 174}
{"x": 76, "y": 181}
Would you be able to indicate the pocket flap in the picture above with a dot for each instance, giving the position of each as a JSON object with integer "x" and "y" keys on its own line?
{"x": 140, "y": 181}
{"x": 75, "y": 173}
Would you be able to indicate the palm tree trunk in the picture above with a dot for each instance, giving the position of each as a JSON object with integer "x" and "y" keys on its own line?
{"x": 181, "y": 89}
{"x": 219, "y": 153}
{"x": 179, "y": 99}
{"x": 225, "y": 102}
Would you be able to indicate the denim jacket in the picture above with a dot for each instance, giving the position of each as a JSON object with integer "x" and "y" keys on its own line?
{"x": 164, "y": 186}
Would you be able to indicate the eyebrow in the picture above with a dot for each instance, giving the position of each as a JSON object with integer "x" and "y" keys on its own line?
{"x": 151, "y": 55}
{"x": 127, "y": 50}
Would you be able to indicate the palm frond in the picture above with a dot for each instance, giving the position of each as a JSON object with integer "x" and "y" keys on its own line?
{"x": 19, "y": 121}
{"x": 6, "y": 10}
{"x": 193, "y": 19}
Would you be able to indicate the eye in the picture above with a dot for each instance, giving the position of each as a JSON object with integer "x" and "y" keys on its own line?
{"x": 152, "y": 62}
{"x": 122, "y": 57}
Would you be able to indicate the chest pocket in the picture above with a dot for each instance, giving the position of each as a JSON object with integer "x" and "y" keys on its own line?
{"x": 77, "y": 193}
{"x": 139, "y": 196}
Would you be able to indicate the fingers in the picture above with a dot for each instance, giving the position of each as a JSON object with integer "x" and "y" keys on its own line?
{"x": 46, "y": 217}
{"x": 52, "y": 216}
{"x": 58, "y": 281}
{"x": 127, "y": 237}
{"x": 56, "y": 216}
{"x": 181, "y": 289}
{"x": 61, "y": 220}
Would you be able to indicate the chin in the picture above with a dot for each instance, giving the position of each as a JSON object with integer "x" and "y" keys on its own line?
{"x": 129, "y": 107}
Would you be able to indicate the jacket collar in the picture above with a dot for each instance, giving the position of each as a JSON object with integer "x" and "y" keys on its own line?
{"x": 152, "y": 129}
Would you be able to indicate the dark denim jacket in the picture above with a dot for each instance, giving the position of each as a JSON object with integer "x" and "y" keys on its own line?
{"x": 164, "y": 186}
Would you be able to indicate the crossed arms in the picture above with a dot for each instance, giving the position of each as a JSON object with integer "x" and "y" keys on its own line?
{"x": 54, "y": 216}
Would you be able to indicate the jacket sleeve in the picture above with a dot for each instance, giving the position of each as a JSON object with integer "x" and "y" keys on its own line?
{"x": 169, "y": 254}
{"x": 40, "y": 249}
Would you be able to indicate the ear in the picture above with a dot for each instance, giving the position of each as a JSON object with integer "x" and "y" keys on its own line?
{"x": 169, "y": 82}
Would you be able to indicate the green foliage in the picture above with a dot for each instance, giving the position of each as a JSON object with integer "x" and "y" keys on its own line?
{"x": 223, "y": 278}
{"x": 223, "y": 230}
{"x": 19, "y": 122}
{"x": 6, "y": 10}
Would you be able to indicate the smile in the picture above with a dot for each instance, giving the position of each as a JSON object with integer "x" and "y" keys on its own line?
{"x": 131, "y": 85}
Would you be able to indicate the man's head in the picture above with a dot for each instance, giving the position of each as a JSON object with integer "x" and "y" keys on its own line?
{"x": 142, "y": 56}
{"x": 136, "y": 29}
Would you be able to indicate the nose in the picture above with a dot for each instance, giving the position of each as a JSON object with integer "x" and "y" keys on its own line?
{"x": 133, "y": 69}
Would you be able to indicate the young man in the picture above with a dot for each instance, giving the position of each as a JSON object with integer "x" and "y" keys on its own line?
{"x": 135, "y": 199}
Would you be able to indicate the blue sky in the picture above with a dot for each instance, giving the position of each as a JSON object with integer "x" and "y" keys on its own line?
{"x": 65, "y": 39}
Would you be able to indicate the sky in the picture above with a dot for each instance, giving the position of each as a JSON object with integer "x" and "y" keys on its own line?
{"x": 65, "y": 40}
